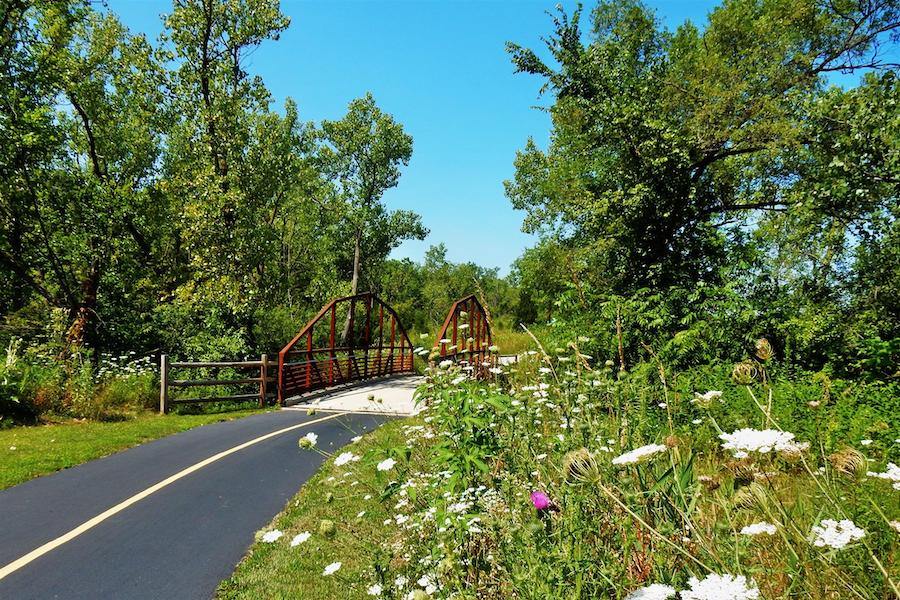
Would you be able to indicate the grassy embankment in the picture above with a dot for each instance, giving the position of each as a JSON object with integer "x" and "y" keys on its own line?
{"x": 347, "y": 496}
{"x": 633, "y": 486}
{"x": 31, "y": 451}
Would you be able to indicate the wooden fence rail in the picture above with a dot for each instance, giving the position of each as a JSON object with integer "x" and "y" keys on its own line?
{"x": 165, "y": 382}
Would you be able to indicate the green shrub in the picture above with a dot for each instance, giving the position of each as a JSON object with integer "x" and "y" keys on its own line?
{"x": 132, "y": 393}
{"x": 14, "y": 406}
{"x": 33, "y": 384}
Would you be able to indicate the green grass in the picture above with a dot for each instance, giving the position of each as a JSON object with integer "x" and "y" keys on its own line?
{"x": 513, "y": 341}
{"x": 28, "y": 452}
{"x": 276, "y": 570}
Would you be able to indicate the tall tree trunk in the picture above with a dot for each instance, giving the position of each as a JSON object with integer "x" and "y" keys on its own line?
{"x": 354, "y": 283}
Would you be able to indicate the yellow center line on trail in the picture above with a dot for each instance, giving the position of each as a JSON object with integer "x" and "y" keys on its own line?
{"x": 91, "y": 523}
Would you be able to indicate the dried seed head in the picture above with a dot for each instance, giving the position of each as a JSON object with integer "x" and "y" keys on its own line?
{"x": 744, "y": 472}
{"x": 749, "y": 496}
{"x": 764, "y": 349}
{"x": 581, "y": 466}
{"x": 744, "y": 373}
{"x": 848, "y": 461}
{"x": 671, "y": 441}
{"x": 327, "y": 528}
{"x": 710, "y": 483}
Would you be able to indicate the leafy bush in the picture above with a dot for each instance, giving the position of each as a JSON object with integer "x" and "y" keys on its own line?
{"x": 13, "y": 405}
{"x": 33, "y": 384}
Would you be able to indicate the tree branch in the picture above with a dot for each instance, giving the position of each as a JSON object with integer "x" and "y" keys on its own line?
{"x": 98, "y": 169}
{"x": 23, "y": 274}
{"x": 700, "y": 166}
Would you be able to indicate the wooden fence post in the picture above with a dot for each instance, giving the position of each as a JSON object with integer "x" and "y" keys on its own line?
{"x": 263, "y": 379}
{"x": 163, "y": 384}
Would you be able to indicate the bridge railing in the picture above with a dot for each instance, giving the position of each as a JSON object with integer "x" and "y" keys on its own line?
{"x": 350, "y": 339}
{"x": 466, "y": 333}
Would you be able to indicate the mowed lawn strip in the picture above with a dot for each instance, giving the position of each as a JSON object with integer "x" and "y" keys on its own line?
{"x": 28, "y": 452}
{"x": 278, "y": 570}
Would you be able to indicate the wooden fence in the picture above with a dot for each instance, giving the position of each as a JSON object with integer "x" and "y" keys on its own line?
{"x": 262, "y": 380}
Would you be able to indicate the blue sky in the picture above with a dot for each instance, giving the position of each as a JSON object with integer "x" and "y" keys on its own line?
{"x": 441, "y": 69}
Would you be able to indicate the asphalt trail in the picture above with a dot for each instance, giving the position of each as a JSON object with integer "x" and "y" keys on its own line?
{"x": 182, "y": 540}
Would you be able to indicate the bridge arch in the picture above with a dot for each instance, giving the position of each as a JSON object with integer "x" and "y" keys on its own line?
{"x": 466, "y": 333}
{"x": 376, "y": 345}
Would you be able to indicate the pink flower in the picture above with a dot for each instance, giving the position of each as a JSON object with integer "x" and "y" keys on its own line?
{"x": 540, "y": 500}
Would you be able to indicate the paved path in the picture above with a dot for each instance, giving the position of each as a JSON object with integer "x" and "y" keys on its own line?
{"x": 390, "y": 397}
{"x": 166, "y": 520}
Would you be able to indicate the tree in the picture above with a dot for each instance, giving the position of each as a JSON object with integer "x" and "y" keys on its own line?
{"x": 363, "y": 153}
{"x": 657, "y": 136}
{"x": 82, "y": 118}
{"x": 423, "y": 293}
{"x": 712, "y": 173}
{"x": 543, "y": 274}
{"x": 245, "y": 193}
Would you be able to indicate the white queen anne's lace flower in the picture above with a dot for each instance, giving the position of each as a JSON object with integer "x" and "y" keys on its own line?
{"x": 309, "y": 440}
{"x": 836, "y": 534}
{"x": 763, "y": 441}
{"x": 891, "y": 473}
{"x": 638, "y": 454}
{"x": 656, "y": 591}
{"x": 720, "y": 587}
{"x": 272, "y": 536}
{"x": 706, "y": 399}
{"x": 374, "y": 590}
{"x": 428, "y": 583}
{"x": 344, "y": 458}
{"x": 300, "y": 538}
{"x": 387, "y": 464}
{"x": 758, "y": 528}
{"x": 331, "y": 569}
